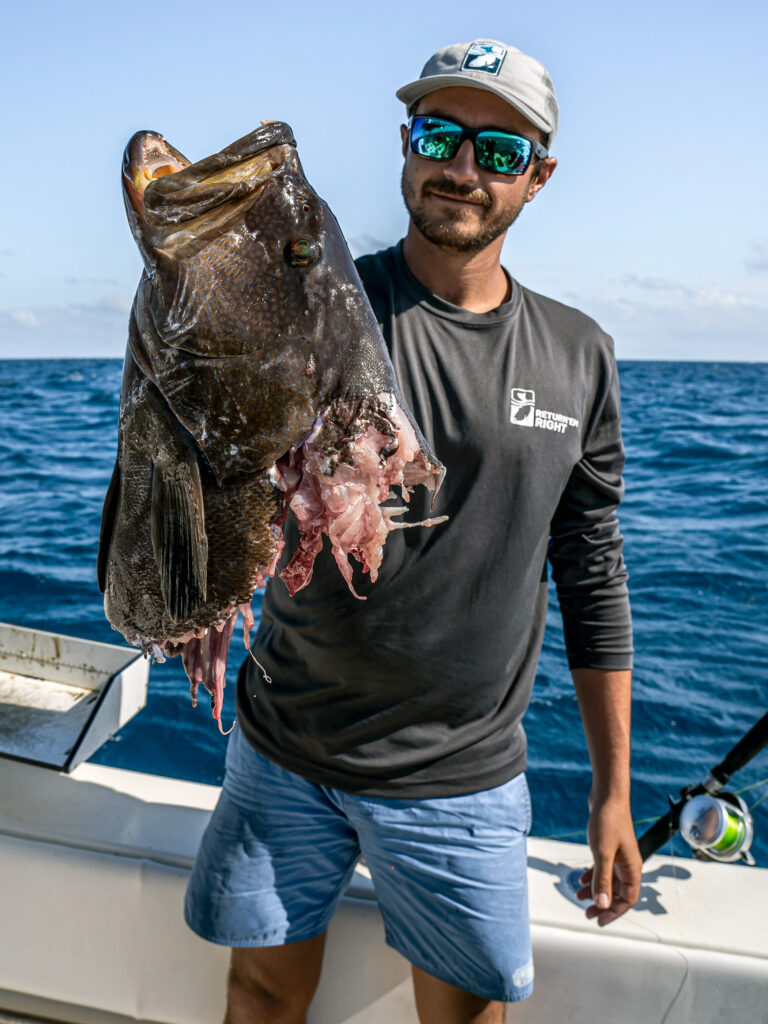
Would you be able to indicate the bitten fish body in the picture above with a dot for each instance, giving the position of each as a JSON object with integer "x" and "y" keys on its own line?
{"x": 256, "y": 380}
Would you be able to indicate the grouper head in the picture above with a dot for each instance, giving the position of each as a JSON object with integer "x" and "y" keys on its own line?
{"x": 250, "y": 316}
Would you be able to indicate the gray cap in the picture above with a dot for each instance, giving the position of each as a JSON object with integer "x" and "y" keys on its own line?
{"x": 504, "y": 70}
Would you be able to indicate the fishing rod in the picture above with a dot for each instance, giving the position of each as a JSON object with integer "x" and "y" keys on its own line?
{"x": 716, "y": 824}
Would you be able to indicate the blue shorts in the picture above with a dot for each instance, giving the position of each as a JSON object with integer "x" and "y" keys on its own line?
{"x": 449, "y": 873}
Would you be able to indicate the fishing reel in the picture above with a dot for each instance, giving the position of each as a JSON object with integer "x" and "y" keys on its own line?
{"x": 718, "y": 827}
{"x": 715, "y": 824}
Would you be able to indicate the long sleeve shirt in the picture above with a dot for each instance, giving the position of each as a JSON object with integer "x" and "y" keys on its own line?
{"x": 420, "y": 690}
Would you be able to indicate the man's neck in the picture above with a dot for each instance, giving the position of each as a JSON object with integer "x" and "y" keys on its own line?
{"x": 472, "y": 280}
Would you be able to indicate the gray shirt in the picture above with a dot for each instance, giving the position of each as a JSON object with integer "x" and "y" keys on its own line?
{"x": 419, "y": 691}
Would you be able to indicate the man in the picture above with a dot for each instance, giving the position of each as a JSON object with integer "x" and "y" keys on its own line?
{"x": 392, "y": 726}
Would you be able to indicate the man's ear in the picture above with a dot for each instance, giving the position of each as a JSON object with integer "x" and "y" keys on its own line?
{"x": 404, "y": 138}
{"x": 546, "y": 170}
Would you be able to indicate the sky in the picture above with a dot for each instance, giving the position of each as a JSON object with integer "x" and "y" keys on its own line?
{"x": 655, "y": 222}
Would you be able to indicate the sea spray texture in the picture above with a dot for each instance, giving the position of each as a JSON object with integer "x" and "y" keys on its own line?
{"x": 256, "y": 380}
{"x": 695, "y": 520}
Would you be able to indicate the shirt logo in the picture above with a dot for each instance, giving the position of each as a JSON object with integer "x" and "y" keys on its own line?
{"x": 487, "y": 57}
{"x": 523, "y": 413}
{"x": 522, "y": 407}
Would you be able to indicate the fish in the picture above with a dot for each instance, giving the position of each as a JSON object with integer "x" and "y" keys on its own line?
{"x": 256, "y": 385}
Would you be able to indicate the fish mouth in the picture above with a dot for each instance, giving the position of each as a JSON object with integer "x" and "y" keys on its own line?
{"x": 148, "y": 157}
{"x": 180, "y": 204}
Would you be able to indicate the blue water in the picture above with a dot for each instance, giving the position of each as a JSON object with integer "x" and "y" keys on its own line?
{"x": 695, "y": 521}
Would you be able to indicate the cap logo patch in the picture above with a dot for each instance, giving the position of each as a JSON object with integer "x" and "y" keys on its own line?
{"x": 487, "y": 57}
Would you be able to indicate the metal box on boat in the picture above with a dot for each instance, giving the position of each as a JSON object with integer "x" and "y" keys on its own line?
{"x": 61, "y": 697}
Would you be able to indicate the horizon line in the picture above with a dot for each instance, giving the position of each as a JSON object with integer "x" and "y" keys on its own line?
{"x": 623, "y": 359}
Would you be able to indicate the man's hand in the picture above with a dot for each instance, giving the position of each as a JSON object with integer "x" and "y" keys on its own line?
{"x": 614, "y": 880}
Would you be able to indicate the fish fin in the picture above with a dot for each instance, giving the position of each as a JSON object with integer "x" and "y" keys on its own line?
{"x": 179, "y": 539}
{"x": 108, "y": 516}
{"x": 137, "y": 348}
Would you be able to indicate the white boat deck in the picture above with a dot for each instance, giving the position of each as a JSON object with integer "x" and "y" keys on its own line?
{"x": 93, "y": 867}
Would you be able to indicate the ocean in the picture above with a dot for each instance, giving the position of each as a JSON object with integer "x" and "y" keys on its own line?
{"x": 695, "y": 521}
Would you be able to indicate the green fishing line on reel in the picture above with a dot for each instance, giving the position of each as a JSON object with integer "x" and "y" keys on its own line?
{"x": 718, "y": 827}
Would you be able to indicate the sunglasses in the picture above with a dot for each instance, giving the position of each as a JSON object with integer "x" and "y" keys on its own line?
{"x": 434, "y": 138}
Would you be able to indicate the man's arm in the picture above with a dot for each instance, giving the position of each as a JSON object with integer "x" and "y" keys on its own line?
{"x": 588, "y": 568}
{"x": 614, "y": 881}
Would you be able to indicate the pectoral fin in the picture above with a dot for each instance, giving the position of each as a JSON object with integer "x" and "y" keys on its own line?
{"x": 178, "y": 536}
{"x": 108, "y": 516}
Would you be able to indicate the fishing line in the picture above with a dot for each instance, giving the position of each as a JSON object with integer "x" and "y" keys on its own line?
{"x": 758, "y": 802}
{"x": 664, "y": 828}
{"x": 752, "y": 785}
{"x": 583, "y": 831}
{"x": 646, "y": 821}
{"x": 267, "y": 679}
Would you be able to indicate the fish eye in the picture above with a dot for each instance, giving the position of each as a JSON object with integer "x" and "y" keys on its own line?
{"x": 301, "y": 252}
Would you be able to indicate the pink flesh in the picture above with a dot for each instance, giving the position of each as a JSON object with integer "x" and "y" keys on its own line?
{"x": 345, "y": 506}
{"x": 248, "y": 621}
{"x": 205, "y": 661}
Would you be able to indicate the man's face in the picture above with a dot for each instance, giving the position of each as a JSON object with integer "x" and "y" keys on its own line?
{"x": 455, "y": 204}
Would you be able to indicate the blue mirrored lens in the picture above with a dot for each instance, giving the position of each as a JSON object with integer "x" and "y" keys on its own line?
{"x": 502, "y": 153}
{"x": 435, "y": 140}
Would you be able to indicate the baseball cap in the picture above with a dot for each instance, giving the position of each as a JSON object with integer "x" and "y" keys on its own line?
{"x": 504, "y": 70}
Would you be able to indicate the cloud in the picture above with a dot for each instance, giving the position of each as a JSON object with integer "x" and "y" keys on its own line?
{"x": 24, "y": 317}
{"x": 648, "y": 317}
{"x": 654, "y": 317}
{"x": 708, "y": 296}
{"x": 705, "y": 327}
{"x": 656, "y": 284}
{"x": 90, "y": 280}
{"x": 107, "y": 304}
{"x": 759, "y": 260}
{"x": 95, "y": 329}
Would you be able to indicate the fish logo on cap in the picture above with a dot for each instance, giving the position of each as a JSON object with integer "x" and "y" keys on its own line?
{"x": 487, "y": 57}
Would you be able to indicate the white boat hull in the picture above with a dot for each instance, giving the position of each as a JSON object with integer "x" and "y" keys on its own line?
{"x": 93, "y": 868}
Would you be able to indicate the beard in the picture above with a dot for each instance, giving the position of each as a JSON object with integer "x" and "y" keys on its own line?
{"x": 450, "y": 230}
